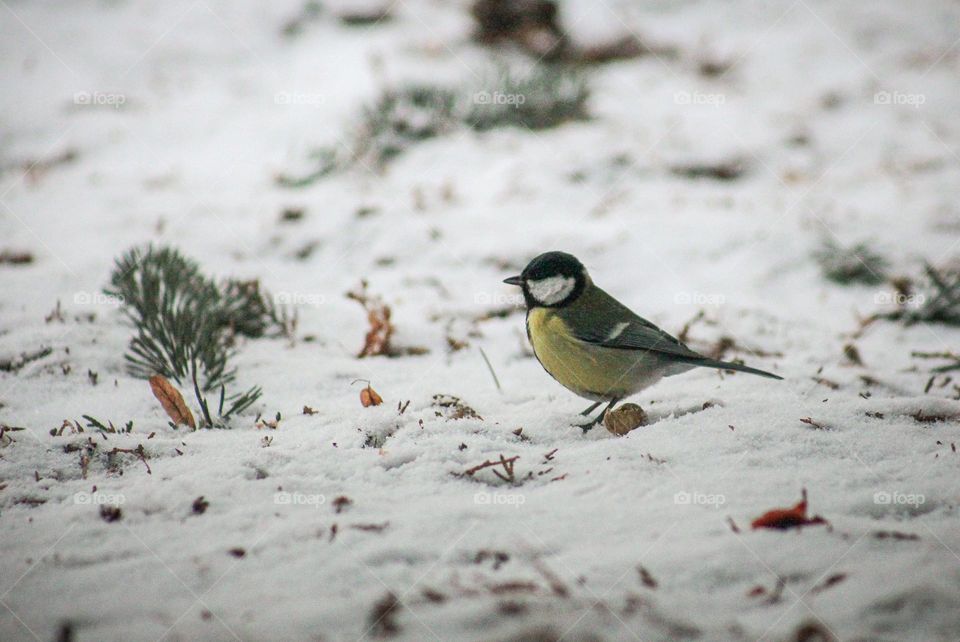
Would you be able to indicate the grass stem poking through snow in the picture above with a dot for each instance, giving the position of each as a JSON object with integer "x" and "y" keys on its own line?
{"x": 493, "y": 374}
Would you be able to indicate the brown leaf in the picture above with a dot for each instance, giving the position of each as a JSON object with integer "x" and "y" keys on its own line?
{"x": 383, "y": 617}
{"x": 377, "y": 340}
{"x": 369, "y": 397}
{"x": 834, "y": 579}
{"x": 645, "y": 577}
{"x": 172, "y": 401}
{"x": 341, "y": 503}
{"x": 110, "y": 513}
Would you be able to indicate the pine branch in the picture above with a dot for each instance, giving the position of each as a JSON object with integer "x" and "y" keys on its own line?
{"x": 185, "y": 323}
{"x": 938, "y": 300}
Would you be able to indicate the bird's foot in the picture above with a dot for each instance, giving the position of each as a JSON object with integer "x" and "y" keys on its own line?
{"x": 591, "y": 408}
{"x": 588, "y": 426}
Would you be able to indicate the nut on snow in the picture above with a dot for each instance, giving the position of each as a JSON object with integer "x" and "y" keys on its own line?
{"x": 624, "y": 419}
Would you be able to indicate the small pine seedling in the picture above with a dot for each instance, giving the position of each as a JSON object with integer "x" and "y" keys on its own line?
{"x": 185, "y": 323}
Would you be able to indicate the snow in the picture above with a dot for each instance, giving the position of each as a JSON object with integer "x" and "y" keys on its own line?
{"x": 215, "y": 102}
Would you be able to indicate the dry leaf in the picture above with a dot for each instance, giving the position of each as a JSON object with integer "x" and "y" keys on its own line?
{"x": 377, "y": 340}
{"x": 784, "y": 518}
{"x": 172, "y": 401}
{"x": 454, "y": 407}
{"x": 369, "y": 397}
{"x": 624, "y": 419}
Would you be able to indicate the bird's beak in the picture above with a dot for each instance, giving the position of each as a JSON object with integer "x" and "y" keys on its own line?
{"x": 514, "y": 280}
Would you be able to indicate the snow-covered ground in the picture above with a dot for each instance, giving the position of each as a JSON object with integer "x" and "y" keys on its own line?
{"x": 180, "y": 114}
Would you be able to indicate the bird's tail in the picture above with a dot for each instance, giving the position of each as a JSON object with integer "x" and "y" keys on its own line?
{"x": 726, "y": 365}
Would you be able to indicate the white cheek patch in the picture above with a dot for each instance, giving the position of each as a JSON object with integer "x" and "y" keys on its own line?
{"x": 552, "y": 290}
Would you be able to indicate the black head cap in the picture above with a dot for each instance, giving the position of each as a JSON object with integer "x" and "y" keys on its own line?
{"x": 552, "y": 279}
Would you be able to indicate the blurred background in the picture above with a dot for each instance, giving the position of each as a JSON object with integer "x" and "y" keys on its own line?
{"x": 775, "y": 182}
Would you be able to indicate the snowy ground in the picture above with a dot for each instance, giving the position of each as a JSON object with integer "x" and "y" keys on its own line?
{"x": 189, "y": 159}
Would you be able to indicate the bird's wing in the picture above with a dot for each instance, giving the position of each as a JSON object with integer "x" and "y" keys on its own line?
{"x": 621, "y": 328}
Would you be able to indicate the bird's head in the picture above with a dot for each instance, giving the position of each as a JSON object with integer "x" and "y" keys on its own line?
{"x": 551, "y": 280}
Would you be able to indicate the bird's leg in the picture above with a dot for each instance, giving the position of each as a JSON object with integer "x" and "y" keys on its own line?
{"x": 591, "y": 408}
{"x": 599, "y": 418}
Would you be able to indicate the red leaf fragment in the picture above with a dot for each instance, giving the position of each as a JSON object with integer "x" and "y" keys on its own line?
{"x": 784, "y": 518}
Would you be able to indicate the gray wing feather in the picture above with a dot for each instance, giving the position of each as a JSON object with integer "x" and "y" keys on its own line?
{"x": 620, "y": 328}
{"x": 608, "y": 329}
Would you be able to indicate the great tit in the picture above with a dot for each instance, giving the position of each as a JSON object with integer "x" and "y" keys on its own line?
{"x": 592, "y": 344}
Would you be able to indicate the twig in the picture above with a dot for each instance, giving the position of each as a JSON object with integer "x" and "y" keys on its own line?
{"x": 689, "y": 324}
{"x": 138, "y": 451}
{"x": 507, "y": 468}
{"x": 14, "y": 364}
{"x": 811, "y": 422}
{"x": 823, "y": 381}
{"x": 556, "y": 585}
{"x": 507, "y": 464}
{"x": 490, "y": 368}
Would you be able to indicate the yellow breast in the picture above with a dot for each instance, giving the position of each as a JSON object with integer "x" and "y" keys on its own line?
{"x": 588, "y": 370}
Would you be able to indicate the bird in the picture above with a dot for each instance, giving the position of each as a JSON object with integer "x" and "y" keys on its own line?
{"x": 592, "y": 344}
